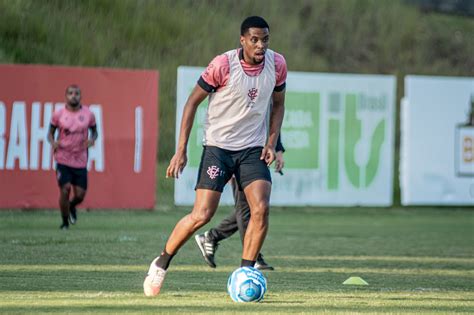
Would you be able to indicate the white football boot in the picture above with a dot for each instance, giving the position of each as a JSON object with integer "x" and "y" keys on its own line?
{"x": 154, "y": 279}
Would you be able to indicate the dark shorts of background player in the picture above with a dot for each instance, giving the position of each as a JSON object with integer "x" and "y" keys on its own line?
{"x": 76, "y": 176}
{"x": 218, "y": 165}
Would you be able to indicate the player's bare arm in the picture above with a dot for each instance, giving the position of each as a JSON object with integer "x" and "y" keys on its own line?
{"x": 51, "y": 131}
{"x": 276, "y": 119}
{"x": 91, "y": 141}
{"x": 179, "y": 160}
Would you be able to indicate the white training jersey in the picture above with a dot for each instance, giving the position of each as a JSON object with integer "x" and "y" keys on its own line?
{"x": 237, "y": 114}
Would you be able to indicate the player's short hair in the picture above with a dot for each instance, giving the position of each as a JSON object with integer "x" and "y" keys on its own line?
{"x": 74, "y": 86}
{"x": 253, "y": 21}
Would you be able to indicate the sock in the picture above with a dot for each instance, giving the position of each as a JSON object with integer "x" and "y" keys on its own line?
{"x": 164, "y": 260}
{"x": 247, "y": 263}
{"x": 65, "y": 220}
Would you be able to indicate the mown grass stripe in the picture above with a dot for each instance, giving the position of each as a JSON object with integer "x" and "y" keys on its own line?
{"x": 430, "y": 259}
{"x": 228, "y": 269}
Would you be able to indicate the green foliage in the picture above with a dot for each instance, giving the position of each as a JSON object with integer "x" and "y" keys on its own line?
{"x": 356, "y": 36}
{"x": 416, "y": 261}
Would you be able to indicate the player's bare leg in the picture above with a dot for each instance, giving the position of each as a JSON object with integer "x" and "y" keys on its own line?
{"x": 258, "y": 197}
{"x": 79, "y": 194}
{"x": 204, "y": 208}
{"x": 64, "y": 192}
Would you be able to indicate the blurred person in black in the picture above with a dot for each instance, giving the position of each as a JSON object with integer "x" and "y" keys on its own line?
{"x": 236, "y": 221}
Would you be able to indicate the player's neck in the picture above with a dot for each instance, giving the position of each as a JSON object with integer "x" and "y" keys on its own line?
{"x": 250, "y": 63}
{"x": 73, "y": 108}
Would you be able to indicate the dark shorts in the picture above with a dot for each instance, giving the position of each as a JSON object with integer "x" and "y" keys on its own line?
{"x": 218, "y": 165}
{"x": 75, "y": 176}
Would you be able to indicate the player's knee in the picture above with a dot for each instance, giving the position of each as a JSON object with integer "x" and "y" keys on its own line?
{"x": 65, "y": 189}
{"x": 260, "y": 212}
{"x": 80, "y": 196}
{"x": 201, "y": 217}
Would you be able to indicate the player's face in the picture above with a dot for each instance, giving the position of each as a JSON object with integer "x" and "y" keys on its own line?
{"x": 73, "y": 96}
{"x": 255, "y": 43}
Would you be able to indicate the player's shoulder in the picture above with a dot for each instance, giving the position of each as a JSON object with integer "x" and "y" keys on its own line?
{"x": 221, "y": 60}
{"x": 217, "y": 68}
{"x": 86, "y": 109}
{"x": 279, "y": 58}
{"x": 58, "y": 112}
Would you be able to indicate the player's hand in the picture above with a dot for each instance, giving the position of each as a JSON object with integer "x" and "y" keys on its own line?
{"x": 268, "y": 154}
{"x": 177, "y": 164}
{"x": 279, "y": 162}
{"x": 89, "y": 143}
{"x": 55, "y": 145}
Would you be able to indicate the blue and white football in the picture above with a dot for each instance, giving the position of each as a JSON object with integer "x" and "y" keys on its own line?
{"x": 247, "y": 284}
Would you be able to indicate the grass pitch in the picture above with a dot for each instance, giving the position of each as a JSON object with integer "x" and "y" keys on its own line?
{"x": 416, "y": 260}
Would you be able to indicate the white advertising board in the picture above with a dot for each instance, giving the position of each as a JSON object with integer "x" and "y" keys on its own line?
{"x": 437, "y": 143}
{"x": 338, "y": 133}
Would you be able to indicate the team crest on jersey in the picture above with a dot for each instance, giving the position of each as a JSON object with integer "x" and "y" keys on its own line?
{"x": 252, "y": 94}
{"x": 214, "y": 171}
{"x": 81, "y": 118}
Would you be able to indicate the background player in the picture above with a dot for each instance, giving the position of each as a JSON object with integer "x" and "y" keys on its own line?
{"x": 70, "y": 151}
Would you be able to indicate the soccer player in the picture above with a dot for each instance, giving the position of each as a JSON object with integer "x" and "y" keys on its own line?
{"x": 70, "y": 151}
{"x": 241, "y": 84}
{"x": 208, "y": 242}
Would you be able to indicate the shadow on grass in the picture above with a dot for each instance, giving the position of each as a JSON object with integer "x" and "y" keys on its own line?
{"x": 279, "y": 282}
{"x": 264, "y": 307}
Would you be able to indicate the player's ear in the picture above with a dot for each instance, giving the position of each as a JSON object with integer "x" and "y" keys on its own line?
{"x": 242, "y": 40}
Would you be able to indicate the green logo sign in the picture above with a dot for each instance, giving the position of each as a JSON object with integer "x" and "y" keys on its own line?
{"x": 197, "y": 135}
{"x": 302, "y": 132}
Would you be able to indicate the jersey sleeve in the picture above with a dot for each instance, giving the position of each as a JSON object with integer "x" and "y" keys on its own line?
{"x": 281, "y": 72}
{"x": 216, "y": 74}
{"x": 55, "y": 118}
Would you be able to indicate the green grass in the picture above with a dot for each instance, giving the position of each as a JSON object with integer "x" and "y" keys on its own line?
{"x": 416, "y": 260}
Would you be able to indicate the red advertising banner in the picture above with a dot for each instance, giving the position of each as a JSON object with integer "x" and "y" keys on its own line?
{"x": 122, "y": 163}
